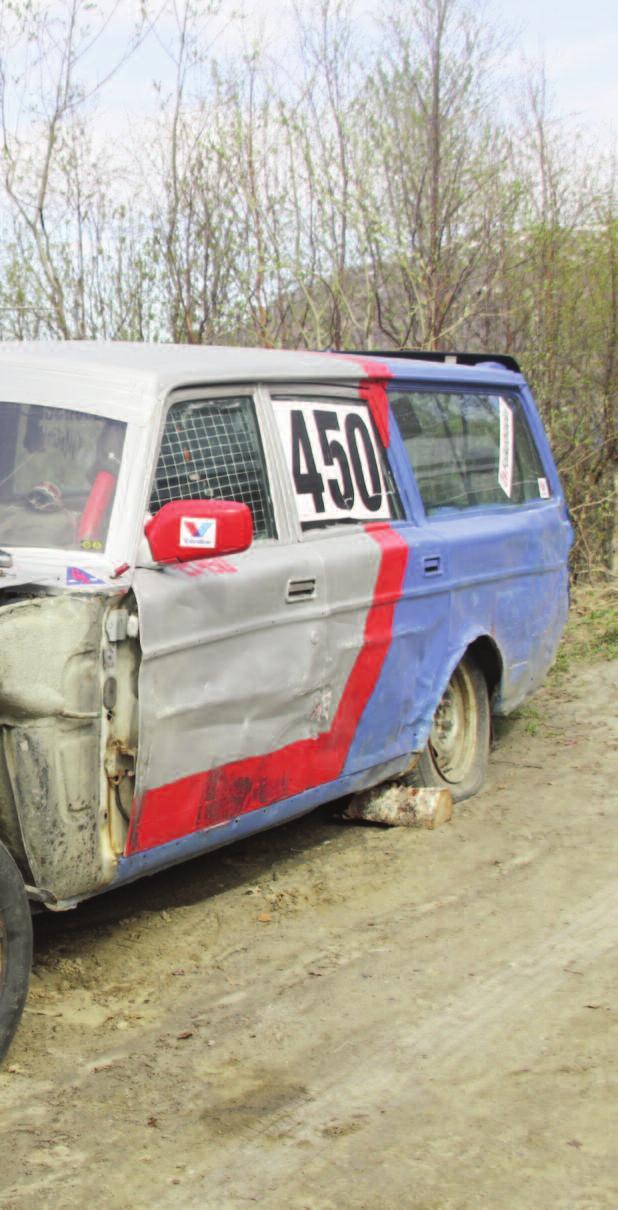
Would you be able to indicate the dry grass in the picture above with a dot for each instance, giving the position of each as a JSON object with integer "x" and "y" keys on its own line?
{"x": 592, "y": 629}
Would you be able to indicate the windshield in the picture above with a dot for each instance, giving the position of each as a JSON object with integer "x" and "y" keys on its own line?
{"x": 58, "y": 472}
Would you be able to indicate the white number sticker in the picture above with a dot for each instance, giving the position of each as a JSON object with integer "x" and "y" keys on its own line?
{"x": 507, "y": 435}
{"x": 334, "y": 461}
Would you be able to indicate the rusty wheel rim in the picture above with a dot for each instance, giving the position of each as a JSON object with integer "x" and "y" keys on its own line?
{"x": 452, "y": 741}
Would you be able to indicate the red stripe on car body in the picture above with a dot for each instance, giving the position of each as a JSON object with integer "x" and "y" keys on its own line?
{"x": 373, "y": 391}
{"x": 206, "y": 799}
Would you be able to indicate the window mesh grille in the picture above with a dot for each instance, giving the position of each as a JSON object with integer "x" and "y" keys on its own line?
{"x": 212, "y": 450}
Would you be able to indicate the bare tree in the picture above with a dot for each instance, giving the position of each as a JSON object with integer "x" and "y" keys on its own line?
{"x": 438, "y": 153}
{"x": 49, "y": 174}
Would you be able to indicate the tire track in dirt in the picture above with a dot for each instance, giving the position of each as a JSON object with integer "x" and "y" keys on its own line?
{"x": 391, "y": 1077}
{"x": 330, "y": 1093}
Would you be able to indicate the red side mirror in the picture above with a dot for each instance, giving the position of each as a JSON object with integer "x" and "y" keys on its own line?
{"x": 198, "y": 529}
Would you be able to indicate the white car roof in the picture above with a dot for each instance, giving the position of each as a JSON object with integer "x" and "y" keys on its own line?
{"x": 127, "y": 380}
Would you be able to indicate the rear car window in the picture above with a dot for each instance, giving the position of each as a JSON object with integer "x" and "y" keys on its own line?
{"x": 469, "y": 449}
{"x": 211, "y": 449}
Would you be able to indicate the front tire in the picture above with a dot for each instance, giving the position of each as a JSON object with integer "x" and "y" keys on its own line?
{"x": 15, "y": 948}
{"x": 457, "y": 750}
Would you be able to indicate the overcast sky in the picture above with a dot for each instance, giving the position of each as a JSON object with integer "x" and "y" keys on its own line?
{"x": 577, "y": 39}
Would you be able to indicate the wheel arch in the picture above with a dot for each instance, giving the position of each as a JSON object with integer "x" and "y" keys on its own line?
{"x": 455, "y": 755}
{"x": 485, "y": 653}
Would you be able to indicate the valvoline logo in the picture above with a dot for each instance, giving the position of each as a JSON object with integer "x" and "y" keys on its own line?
{"x": 198, "y": 531}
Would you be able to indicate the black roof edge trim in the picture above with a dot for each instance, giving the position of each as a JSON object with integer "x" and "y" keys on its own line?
{"x": 462, "y": 359}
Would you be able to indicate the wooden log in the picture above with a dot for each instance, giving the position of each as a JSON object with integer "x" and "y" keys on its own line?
{"x": 399, "y": 806}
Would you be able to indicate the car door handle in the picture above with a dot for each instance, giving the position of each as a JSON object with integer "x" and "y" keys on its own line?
{"x": 300, "y": 590}
{"x": 432, "y": 565}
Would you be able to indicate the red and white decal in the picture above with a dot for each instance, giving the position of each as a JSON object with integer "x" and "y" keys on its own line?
{"x": 200, "y": 532}
{"x": 507, "y": 448}
{"x": 202, "y": 567}
{"x": 78, "y": 577}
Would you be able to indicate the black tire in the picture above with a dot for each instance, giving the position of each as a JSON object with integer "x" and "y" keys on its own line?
{"x": 457, "y": 750}
{"x": 15, "y": 948}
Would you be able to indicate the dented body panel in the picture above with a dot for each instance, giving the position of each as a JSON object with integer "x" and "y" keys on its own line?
{"x": 148, "y": 712}
{"x": 50, "y": 718}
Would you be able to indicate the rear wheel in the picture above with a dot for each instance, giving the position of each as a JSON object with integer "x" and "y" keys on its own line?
{"x": 457, "y": 751}
{"x": 15, "y": 948}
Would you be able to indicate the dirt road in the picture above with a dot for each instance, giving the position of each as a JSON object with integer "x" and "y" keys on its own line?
{"x": 337, "y": 1017}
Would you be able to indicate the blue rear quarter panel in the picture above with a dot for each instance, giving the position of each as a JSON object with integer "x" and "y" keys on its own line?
{"x": 502, "y": 576}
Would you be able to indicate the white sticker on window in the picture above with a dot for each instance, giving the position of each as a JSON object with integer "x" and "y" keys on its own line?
{"x": 507, "y": 433}
{"x": 198, "y": 532}
{"x": 334, "y": 461}
{"x": 543, "y": 489}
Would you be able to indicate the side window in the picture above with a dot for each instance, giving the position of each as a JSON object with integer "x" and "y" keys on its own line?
{"x": 469, "y": 449}
{"x": 211, "y": 449}
{"x": 336, "y": 462}
{"x": 58, "y": 476}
